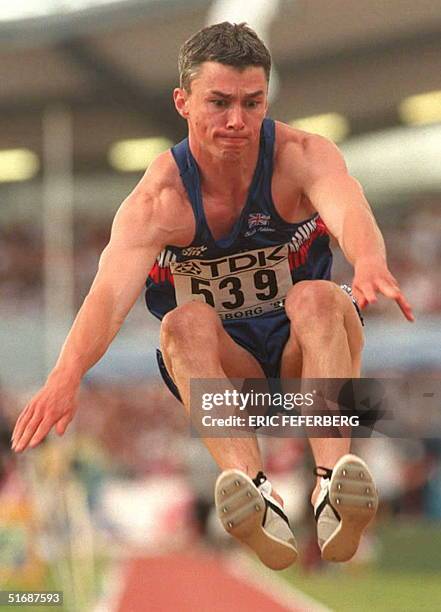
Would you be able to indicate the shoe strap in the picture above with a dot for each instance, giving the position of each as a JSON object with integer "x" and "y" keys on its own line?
{"x": 325, "y": 474}
{"x": 274, "y": 508}
{"x": 260, "y": 479}
{"x": 325, "y": 502}
{"x": 263, "y": 484}
{"x": 322, "y": 471}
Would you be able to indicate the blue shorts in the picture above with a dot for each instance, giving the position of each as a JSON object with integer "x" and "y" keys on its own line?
{"x": 264, "y": 337}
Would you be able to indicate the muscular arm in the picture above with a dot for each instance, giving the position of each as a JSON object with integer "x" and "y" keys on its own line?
{"x": 139, "y": 232}
{"x": 122, "y": 270}
{"x": 340, "y": 200}
{"x": 341, "y": 203}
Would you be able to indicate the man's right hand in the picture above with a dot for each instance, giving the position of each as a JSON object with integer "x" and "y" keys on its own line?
{"x": 54, "y": 405}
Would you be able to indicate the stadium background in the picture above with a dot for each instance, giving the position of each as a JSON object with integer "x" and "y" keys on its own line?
{"x": 117, "y": 514}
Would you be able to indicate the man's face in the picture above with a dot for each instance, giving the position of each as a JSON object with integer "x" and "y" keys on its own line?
{"x": 224, "y": 109}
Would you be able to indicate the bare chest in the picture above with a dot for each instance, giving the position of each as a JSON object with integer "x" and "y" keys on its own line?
{"x": 223, "y": 213}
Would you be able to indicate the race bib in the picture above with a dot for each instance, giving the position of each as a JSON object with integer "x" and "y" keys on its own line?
{"x": 237, "y": 286}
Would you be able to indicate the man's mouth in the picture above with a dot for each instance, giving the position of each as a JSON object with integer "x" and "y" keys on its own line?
{"x": 236, "y": 139}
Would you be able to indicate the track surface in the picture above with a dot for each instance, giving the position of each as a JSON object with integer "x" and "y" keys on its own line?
{"x": 187, "y": 583}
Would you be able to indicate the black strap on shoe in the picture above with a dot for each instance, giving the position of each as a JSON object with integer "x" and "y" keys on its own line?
{"x": 276, "y": 509}
{"x": 326, "y": 502}
{"x": 259, "y": 480}
{"x": 326, "y": 473}
{"x": 322, "y": 471}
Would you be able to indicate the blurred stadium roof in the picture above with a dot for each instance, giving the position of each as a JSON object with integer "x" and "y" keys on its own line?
{"x": 114, "y": 65}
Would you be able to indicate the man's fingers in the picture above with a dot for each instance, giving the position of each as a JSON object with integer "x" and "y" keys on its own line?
{"x": 369, "y": 293}
{"x": 390, "y": 290}
{"x": 22, "y": 423}
{"x": 48, "y": 407}
{"x": 62, "y": 424}
{"x": 36, "y": 428}
{"x": 393, "y": 292}
{"x": 41, "y": 432}
{"x": 405, "y": 307}
{"x": 22, "y": 442}
{"x": 365, "y": 294}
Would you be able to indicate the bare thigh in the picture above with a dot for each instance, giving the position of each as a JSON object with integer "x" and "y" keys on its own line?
{"x": 236, "y": 361}
{"x": 194, "y": 333}
{"x": 291, "y": 362}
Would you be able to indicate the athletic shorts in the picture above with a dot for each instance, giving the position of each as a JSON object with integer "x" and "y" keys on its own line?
{"x": 264, "y": 337}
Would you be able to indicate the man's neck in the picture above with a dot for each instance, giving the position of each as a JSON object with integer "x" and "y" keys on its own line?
{"x": 225, "y": 176}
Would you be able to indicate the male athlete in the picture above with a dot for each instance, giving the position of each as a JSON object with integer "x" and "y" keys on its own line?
{"x": 233, "y": 224}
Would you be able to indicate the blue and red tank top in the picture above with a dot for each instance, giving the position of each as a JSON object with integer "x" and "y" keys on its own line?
{"x": 247, "y": 273}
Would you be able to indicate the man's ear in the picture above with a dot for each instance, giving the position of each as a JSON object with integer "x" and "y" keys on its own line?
{"x": 180, "y": 97}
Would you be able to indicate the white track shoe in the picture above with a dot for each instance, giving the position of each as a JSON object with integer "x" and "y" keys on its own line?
{"x": 248, "y": 512}
{"x": 347, "y": 502}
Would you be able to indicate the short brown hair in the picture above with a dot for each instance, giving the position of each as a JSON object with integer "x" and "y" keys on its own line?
{"x": 231, "y": 44}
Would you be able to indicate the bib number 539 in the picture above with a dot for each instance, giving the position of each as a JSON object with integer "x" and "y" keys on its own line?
{"x": 265, "y": 285}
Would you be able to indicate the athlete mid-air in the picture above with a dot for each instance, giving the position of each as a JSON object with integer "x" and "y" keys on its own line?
{"x": 240, "y": 188}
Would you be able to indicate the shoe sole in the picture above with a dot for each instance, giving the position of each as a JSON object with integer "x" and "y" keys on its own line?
{"x": 353, "y": 494}
{"x": 241, "y": 508}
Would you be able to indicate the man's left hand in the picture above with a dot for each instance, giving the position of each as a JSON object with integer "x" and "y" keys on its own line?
{"x": 372, "y": 276}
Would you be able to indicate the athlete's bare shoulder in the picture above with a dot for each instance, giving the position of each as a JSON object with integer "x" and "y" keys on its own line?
{"x": 302, "y": 154}
{"x": 290, "y": 138}
{"x": 163, "y": 202}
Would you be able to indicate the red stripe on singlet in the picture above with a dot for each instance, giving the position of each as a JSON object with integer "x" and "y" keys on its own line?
{"x": 299, "y": 257}
{"x": 159, "y": 274}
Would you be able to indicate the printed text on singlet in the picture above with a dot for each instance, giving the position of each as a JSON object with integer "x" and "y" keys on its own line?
{"x": 237, "y": 286}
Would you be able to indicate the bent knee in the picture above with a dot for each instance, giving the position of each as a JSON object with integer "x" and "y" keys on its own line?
{"x": 184, "y": 321}
{"x": 317, "y": 300}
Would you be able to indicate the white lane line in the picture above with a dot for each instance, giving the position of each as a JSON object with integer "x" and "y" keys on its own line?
{"x": 114, "y": 583}
{"x": 267, "y": 581}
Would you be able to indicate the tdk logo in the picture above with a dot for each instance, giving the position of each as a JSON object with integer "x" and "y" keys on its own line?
{"x": 244, "y": 261}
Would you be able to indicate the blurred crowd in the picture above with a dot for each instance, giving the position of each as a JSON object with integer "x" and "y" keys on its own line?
{"x": 412, "y": 234}
{"x": 413, "y": 241}
{"x": 22, "y": 261}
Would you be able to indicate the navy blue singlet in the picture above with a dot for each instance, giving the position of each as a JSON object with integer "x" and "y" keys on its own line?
{"x": 246, "y": 274}
{"x": 259, "y": 227}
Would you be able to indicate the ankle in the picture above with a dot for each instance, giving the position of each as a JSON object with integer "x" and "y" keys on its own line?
{"x": 323, "y": 475}
{"x": 321, "y": 484}
{"x": 266, "y": 487}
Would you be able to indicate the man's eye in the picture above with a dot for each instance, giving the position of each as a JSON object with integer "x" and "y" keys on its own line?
{"x": 252, "y": 104}
{"x": 219, "y": 103}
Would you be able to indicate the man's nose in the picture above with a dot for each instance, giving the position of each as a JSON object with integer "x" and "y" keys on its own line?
{"x": 235, "y": 118}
